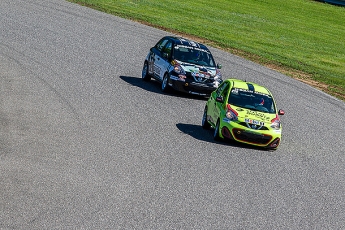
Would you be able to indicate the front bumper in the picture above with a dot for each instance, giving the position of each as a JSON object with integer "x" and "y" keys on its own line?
{"x": 262, "y": 138}
{"x": 197, "y": 88}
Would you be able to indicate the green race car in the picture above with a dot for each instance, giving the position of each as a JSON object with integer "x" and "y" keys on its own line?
{"x": 244, "y": 112}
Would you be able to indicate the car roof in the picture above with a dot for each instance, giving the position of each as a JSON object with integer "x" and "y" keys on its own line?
{"x": 249, "y": 86}
{"x": 187, "y": 42}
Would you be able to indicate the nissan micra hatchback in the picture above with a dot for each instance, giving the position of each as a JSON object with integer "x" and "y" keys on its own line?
{"x": 182, "y": 64}
{"x": 244, "y": 112}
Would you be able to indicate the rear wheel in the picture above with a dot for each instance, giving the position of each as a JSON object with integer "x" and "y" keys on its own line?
{"x": 165, "y": 86}
{"x": 204, "y": 121}
{"x": 145, "y": 72}
{"x": 216, "y": 136}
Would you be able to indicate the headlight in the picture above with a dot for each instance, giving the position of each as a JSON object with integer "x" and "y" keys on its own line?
{"x": 178, "y": 69}
{"x": 275, "y": 123}
{"x": 218, "y": 75}
{"x": 217, "y": 80}
{"x": 231, "y": 115}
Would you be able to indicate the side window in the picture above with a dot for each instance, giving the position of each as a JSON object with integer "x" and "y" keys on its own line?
{"x": 222, "y": 89}
{"x": 225, "y": 91}
{"x": 167, "y": 49}
{"x": 160, "y": 45}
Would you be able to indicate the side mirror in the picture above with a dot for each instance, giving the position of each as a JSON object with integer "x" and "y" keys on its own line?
{"x": 219, "y": 99}
{"x": 219, "y": 66}
{"x": 281, "y": 112}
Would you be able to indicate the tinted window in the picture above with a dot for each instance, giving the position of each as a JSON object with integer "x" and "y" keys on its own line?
{"x": 251, "y": 100}
{"x": 224, "y": 93}
{"x": 160, "y": 45}
{"x": 167, "y": 49}
{"x": 222, "y": 89}
{"x": 194, "y": 55}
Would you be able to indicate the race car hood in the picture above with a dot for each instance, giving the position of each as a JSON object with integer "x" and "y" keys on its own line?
{"x": 254, "y": 118}
{"x": 198, "y": 71}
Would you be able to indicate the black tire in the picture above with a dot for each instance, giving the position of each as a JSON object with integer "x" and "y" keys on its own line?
{"x": 204, "y": 121}
{"x": 165, "y": 86}
{"x": 216, "y": 136}
{"x": 145, "y": 72}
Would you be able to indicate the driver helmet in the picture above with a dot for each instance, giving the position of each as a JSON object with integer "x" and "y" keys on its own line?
{"x": 262, "y": 101}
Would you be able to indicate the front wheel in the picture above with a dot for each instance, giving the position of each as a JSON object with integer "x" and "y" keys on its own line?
{"x": 145, "y": 72}
{"x": 165, "y": 86}
{"x": 216, "y": 136}
{"x": 204, "y": 121}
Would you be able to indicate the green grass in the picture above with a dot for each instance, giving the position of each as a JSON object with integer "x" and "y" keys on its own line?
{"x": 301, "y": 38}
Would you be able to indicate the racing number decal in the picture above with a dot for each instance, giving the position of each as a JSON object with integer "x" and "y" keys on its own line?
{"x": 157, "y": 70}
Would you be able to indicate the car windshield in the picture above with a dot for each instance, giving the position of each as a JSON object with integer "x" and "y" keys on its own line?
{"x": 193, "y": 55}
{"x": 252, "y": 100}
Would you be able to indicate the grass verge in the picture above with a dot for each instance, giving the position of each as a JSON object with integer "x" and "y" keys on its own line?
{"x": 303, "y": 39}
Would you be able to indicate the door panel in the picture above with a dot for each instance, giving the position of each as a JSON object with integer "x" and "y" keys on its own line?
{"x": 159, "y": 67}
{"x": 151, "y": 62}
{"x": 219, "y": 106}
{"x": 211, "y": 107}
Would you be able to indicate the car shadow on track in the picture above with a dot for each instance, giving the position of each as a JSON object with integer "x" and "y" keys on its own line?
{"x": 201, "y": 134}
{"x": 155, "y": 87}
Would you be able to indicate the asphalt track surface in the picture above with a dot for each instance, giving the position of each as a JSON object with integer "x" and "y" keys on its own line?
{"x": 86, "y": 144}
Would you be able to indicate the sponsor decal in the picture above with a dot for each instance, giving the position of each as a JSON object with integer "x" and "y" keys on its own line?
{"x": 150, "y": 63}
{"x": 257, "y": 114}
{"x": 173, "y": 77}
{"x": 196, "y": 93}
{"x": 236, "y": 90}
{"x": 194, "y": 74}
{"x": 227, "y": 120}
{"x": 254, "y": 124}
{"x": 174, "y": 62}
{"x": 200, "y": 75}
{"x": 156, "y": 69}
{"x": 192, "y": 48}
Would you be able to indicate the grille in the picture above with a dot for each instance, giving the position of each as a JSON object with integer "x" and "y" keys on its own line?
{"x": 251, "y": 137}
{"x": 200, "y": 84}
{"x": 199, "y": 78}
{"x": 257, "y": 127}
